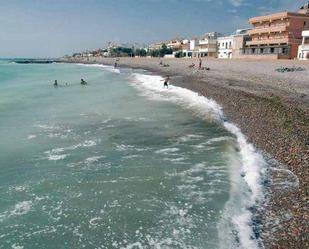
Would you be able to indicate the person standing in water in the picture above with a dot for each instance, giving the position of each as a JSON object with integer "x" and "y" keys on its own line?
{"x": 166, "y": 81}
{"x": 56, "y": 83}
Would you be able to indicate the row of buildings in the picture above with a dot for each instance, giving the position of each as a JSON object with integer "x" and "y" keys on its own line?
{"x": 283, "y": 35}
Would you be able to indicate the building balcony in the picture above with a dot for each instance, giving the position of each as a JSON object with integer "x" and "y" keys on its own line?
{"x": 273, "y": 41}
{"x": 268, "y": 29}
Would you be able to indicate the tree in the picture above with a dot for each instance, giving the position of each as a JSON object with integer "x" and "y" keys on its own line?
{"x": 179, "y": 54}
{"x": 154, "y": 53}
{"x": 122, "y": 51}
{"x": 140, "y": 52}
{"x": 165, "y": 50}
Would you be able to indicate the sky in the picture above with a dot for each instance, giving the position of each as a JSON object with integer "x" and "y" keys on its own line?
{"x": 53, "y": 28}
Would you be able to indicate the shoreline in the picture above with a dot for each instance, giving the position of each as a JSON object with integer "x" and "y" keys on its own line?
{"x": 273, "y": 116}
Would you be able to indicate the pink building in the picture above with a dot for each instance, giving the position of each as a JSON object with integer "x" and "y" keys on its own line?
{"x": 277, "y": 36}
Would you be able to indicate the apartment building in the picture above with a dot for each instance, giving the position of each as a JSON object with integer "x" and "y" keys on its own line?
{"x": 277, "y": 36}
{"x": 303, "y": 49}
{"x": 205, "y": 46}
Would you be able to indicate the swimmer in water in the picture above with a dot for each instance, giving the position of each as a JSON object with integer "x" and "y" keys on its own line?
{"x": 82, "y": 82}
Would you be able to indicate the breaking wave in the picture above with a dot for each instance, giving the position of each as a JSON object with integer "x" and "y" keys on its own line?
{"x": 236, "y": 226}
{"x": 107, "y": 68}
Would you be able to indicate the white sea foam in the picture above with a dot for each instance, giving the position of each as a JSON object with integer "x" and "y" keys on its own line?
{"x": 251, "y": 164}
{"x": 15, "y": 246}
{"x": 167, "y": 151}
{"x": 93, "y": 159}
{"x": 218, "y": 139}
{"x": 105, "y": 67}
{"x": 124, "y": 147}
{"x": 189, "y": 137}
{"x": 56, "y": 157}
{"x": 55, "y": 154}
{"x": 20, "y": 208}
{"x": 94, "y": 221}
{"x": 47, "y": 127}
{"x": 31, "y": 136}
{"x": 152, "y": 87}
{"x": 89, "y": 143}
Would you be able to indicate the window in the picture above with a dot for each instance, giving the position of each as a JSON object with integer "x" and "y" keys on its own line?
{"x": 262, "y": 50}
{"x": 305, "y": 24}
{"x": 284, "y": 50}
{"x": 272, "y": 50}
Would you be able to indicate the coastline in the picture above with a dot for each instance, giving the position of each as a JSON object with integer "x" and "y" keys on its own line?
{"x": 272, "y": 112}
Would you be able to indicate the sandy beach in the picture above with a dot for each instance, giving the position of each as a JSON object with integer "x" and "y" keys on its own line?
{"x": 272, "y": 110}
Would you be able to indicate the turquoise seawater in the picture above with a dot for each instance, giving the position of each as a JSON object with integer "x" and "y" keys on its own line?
{"x": 113, "y": 164}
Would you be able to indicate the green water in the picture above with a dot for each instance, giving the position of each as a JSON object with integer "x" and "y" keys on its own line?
{"x": 103, "y": 165}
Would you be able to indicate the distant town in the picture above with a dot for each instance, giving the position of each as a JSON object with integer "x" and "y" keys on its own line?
{"x": 283, "y": 35}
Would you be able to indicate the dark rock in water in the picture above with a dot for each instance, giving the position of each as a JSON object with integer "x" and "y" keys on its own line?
{"x": 34, "y": 61}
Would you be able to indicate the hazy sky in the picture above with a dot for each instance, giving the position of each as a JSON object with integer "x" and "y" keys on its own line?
{"x": 42, "y": 28}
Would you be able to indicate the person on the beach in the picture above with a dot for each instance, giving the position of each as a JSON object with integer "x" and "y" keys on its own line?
{"x": 166, "y": 81}
{"x": 82, "y": 82}
{"x": 200, "y": 64}
{"x": 192, "y": 65}
{"x": 56, "y": 83}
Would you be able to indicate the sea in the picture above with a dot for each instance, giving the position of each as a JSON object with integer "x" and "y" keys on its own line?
{"x": 121, "y": 162}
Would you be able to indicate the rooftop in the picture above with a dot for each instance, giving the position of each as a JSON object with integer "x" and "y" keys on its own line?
{"x": 276, "y": 16}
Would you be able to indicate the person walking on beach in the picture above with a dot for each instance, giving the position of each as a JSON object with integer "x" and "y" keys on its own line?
{"x": 200, "y": 64}
{"x": 56, "y": 83}
{"x": 166, "y": 81}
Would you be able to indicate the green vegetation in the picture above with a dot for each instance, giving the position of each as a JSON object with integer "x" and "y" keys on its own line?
{"x": 164, "y": 50}
{"x": 122, "y": 51}
{"x": 140, "y": 52}
{"x": 179, "y": 54}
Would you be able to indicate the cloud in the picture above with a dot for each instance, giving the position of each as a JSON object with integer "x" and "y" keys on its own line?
{"x": 236, "y": 3}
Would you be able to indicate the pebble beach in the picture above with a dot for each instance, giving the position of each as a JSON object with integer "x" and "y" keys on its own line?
{"x": 272, "y": 110}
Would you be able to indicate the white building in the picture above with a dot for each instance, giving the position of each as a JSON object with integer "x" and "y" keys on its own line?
{"x": 203, "y": 47}
{"x": 303, "y": 49}
{"x": 225, "y": 46}
{"x": 208, "y": 44}
{"x": 190, "y": 49}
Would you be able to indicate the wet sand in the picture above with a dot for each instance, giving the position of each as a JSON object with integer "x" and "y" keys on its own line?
{"x": 272, "y": 110}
